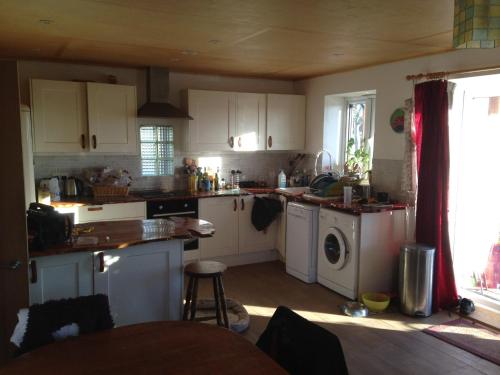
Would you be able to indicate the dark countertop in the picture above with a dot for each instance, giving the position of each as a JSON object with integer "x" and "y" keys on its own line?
{"x": 123, "y": 234}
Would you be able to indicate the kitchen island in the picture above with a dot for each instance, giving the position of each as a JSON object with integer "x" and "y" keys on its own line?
{"x": 138, "y": 264}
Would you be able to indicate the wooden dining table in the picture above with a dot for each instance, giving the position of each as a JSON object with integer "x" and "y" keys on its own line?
{"x": 149, "y": 348}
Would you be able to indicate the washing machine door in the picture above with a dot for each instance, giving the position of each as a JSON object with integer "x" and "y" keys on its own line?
{"x": 335, "y": 249}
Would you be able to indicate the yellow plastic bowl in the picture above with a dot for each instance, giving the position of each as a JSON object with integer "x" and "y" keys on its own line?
{"x": 376, "y": 302}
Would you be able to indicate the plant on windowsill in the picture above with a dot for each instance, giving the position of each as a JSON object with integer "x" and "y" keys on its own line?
{"x": 358, "y": 161}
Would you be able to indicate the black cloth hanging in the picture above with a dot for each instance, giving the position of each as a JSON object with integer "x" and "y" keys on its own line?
{"x": 90, "y": 313}
{"x": 264, "y": 211}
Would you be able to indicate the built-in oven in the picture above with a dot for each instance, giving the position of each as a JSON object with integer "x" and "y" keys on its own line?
{"x": 183, "y": 207}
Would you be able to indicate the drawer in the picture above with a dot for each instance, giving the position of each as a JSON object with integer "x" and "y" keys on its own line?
{"x": 110, "y": 212}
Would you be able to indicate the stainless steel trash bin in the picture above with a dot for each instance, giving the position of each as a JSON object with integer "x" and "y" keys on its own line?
{"x": 416, "y": 269}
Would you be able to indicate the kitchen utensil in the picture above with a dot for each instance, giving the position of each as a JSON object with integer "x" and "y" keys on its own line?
{"x": 376, "y": 302}
{"x": 354, "y": 309}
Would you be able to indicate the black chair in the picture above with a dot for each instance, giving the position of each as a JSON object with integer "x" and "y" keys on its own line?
{"x": 90, "y": 313}
{"x": 302, "y": 347}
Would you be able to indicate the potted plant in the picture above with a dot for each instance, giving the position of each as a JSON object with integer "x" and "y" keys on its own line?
{"x": 358, "y": 161}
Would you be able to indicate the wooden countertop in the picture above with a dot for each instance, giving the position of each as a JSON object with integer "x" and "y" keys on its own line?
{"x": 107, "y": 235}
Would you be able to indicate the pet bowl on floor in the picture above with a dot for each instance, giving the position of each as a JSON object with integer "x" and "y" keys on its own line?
{"x": 376, "y": 302}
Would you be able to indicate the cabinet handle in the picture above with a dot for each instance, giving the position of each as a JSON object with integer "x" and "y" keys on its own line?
{"x": 235, "y": 205}
{"x": 34, "y": 276}
{"x": 242, "y": 204}
{"x": 239, "y": 142}
{"x": 83, "y": 140}
{"x": 231, "y": 141}
{"x": 94, "y": 141}
{"x": 270, "y": 141}
{"x": 101, "y": 261}
{"x": 94, "y": 209}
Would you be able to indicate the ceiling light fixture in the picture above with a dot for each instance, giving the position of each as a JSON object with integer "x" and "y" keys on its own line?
{"x": 476, "y": 24}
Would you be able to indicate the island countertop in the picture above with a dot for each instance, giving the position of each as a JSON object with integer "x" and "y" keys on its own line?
{"x": 107, "y": 235}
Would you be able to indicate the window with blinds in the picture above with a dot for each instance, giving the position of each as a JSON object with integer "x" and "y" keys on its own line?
{"x": 157, "y": 150}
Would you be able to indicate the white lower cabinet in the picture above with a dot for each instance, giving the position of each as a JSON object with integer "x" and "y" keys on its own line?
{"x": 223, "y": 214}
{"x": 143, "y": 283}
{"x": 250, "y": 240}
{"x": 60, "y": 276}
{"x": 234, "y": 231}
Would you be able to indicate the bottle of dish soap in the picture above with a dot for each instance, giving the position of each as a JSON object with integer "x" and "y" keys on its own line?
{"x": 282, "y": 179}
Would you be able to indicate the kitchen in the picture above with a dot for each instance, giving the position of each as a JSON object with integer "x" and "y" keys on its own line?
{"x": 283, "y": 121}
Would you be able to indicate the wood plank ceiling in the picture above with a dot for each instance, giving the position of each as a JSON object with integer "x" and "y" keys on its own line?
{"x": 287, "y": 39}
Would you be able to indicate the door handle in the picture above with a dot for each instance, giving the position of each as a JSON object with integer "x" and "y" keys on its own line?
{"x": 100, "y": 256}
{"x": 242, "y": 204}
{"x": 14, "y": 265}
{"x": 94, "y": 141}
{"x": 270, "y": 141}
{"x": 235, "y": 205}
{"x": 34, "y": 276}
{"x": 231, "y": 142}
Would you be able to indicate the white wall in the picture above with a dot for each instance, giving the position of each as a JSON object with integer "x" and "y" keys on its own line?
{"x": 389, "y": 81}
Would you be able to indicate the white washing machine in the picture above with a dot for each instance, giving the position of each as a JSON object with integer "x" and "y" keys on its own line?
{"x": 338, "y": 252}
{"x": 359, "y": 253}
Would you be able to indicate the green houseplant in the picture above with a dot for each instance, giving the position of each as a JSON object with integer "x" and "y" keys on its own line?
{"x": 357, "y": 161}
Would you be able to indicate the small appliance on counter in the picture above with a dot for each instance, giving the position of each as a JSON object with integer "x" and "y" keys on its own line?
{"x": 47, "y": 227}
{"x": 73, "y": 187}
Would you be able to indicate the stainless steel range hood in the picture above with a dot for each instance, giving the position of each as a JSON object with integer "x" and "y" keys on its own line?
{"x": 157, "y": 104}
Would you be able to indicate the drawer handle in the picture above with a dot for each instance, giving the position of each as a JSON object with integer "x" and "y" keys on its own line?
{"x": 270, "y": 141}
{"x": 239, "y": 142}
{"x": 34, "y": 276}
{"x": 101, "y": 261}
{"x": 94, "y": 209}
{"x": 94, "y": 141}
{"x": 231, "y": 141}
{"x": 242, "y": 204}
{"x": 235, "y": 205}
{"x": 83, "y": 140}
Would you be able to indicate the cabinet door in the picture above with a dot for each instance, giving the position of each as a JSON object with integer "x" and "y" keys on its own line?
{"x": 213, "y": 117}
{"x": 286, "y": 121}
{"x": 59, "y": 112}
{"x": 143, "y": 283}
{"x": 249, "y": 129}
{"x": 250, "y": 240}
{"x": 112, "y": 111}
{"x": 60, "y": 276}
{"x": 223, "y": 214}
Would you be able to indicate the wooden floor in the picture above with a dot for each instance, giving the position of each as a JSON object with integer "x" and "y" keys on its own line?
{"x": 387, "y": 343}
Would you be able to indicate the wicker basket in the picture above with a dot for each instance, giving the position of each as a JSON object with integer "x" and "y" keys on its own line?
{"x": 110, "y": 191}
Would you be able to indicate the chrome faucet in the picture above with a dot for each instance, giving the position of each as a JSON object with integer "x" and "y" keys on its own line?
{"x": 320, "y": 152}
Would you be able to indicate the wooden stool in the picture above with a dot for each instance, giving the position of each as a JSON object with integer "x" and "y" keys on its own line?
{"x": 203, "y": 270}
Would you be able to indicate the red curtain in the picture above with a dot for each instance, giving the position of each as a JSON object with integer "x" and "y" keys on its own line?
{"x": 431, "y": 126}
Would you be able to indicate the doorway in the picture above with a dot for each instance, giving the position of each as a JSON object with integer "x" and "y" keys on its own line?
{"x": 474, "y": 209}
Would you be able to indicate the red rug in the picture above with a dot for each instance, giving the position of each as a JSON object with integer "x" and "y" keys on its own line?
{"x": 469, "y": 336}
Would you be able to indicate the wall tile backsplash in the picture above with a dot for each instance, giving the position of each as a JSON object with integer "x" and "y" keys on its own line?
{"x": 257, "y": 166}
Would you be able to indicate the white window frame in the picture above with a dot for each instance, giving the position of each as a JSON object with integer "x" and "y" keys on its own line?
{"x": 157, "y": 123}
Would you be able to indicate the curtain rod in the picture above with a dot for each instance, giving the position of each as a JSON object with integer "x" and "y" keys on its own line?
{"x": 438, "y": 75}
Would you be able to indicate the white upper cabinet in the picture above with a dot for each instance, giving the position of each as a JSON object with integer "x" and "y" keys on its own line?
{"x": 75, "y": 117}
{"x": 112, "y": 111}
{"x": 286, "y": 122}
{"x": 213, "y": 116}
{"x": 249, "y": 130}
{"x": 59, "y": 111}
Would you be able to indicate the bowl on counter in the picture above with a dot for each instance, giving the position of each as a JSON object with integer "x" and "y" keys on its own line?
{"x": 376, "y": 302}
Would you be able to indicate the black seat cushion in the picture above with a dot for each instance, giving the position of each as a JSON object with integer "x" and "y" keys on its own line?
{"x": 91, "y": 313}
{"x": 302, "y": 347}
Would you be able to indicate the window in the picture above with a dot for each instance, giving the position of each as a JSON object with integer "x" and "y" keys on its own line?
{"x": 359, "y": 132}
{"x": 157, "y": 150}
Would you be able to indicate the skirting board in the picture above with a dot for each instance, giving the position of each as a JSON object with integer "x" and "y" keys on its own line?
{"x": 241, "y": 259}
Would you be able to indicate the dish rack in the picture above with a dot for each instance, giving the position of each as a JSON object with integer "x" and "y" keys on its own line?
{"x": 109, "y": 191}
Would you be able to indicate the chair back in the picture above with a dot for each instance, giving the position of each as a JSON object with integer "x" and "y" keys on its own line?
{"x": 302, "y": 347}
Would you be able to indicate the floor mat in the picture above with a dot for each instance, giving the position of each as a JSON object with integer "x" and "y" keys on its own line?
{"x": 469, "y": 336}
